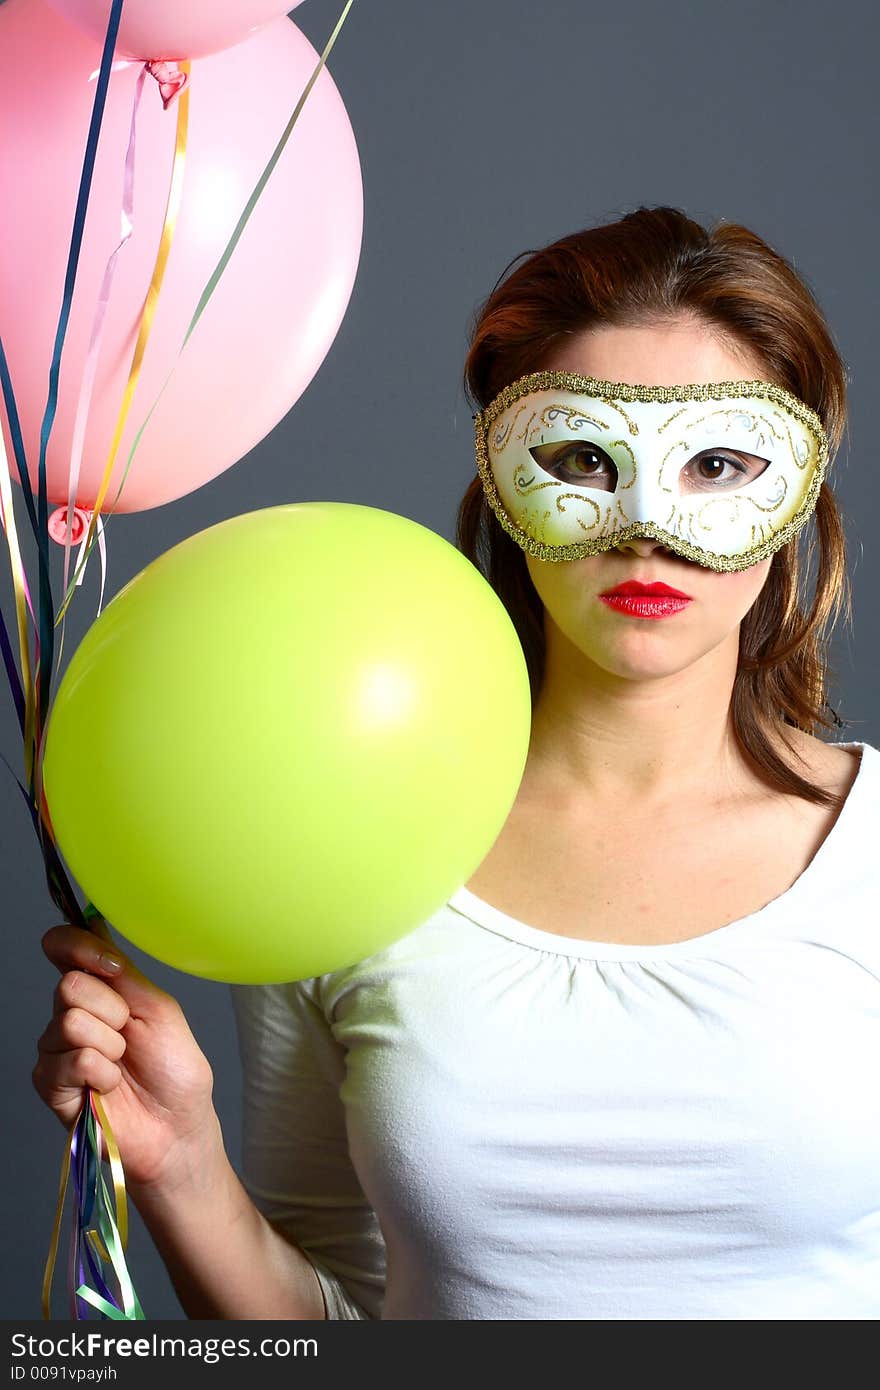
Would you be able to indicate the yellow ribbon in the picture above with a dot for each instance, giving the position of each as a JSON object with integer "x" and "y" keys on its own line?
{"x": 56, "y": 1229}
{"x": 117, "y": 1174}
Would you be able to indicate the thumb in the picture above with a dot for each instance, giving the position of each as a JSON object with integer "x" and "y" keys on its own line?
{"x": 143, "y": 996}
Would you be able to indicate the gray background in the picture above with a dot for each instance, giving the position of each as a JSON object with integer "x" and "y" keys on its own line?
{"x": 487, "y": 127}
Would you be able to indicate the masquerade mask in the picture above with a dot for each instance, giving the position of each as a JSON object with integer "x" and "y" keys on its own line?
{"x": 723, "y": 474}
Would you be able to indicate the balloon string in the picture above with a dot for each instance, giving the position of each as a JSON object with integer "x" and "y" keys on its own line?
{"x": 12, "y": 674}
{"x": 90, "y": 369}
{"x": 264, "y": 178}
{"x": 226, "y": 254}
{"x": 22, "y": 687}
{"x": 81, "y": 569}
{"x": 56, "y": 1228}
{"x": 115, "y": 1168}
{"x": 172, "y": 208}
{"x": 47, "y": 636}
{"x": 23, "y": 691}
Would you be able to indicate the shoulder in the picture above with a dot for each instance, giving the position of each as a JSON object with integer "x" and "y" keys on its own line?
{"x": 414, "y": 961}
{"x": 832, "y": 766}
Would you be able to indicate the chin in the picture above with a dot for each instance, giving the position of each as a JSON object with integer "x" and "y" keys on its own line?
{"x": 645, "y": 671}
{"x": 644, "y": 664}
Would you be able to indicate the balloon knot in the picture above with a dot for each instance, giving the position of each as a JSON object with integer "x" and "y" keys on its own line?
{"x": 78, "y": 528}
{"x": 169, "y": 77}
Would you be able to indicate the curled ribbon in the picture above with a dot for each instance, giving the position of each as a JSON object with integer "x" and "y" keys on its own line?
{"x": 172, "y": 207}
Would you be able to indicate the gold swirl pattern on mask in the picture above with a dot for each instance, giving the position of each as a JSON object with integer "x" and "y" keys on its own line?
{"x": 541, "y": 526}
{"x": 627, "y": 448}
{"x": 631, "y": 424}
{"x": 676, "y": 522}
{"x": 574, "y": 419}
{"x": 753, "y": 418}
{"x": 525, "y": 487}
{"x": 502, "y": 437}
{"x": 679, "y": 444}
{"x": 799, "y": 449}
{"x": 733, "y": 503}
{"x": 687, "y": 523}
{"x": 705, "y": 525}
{"x": 779, "y": 427}
{"x": 740, "y": 500}
{"x": 614, "y": 391}
{"x": 609, "y": 524}
{"x": 773, "y": 503}
{"x": 758, "y": 529}
{"x": 671, "y": 419}
{"x": 572, "y": 413}
{"x": 507, "y": 431}
{"x": 586, "y": 501}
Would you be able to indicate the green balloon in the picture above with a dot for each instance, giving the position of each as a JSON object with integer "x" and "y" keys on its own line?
{"x": 286, "y": 741}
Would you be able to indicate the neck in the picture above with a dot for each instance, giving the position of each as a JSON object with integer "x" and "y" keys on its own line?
{"x": 614, "y": 737}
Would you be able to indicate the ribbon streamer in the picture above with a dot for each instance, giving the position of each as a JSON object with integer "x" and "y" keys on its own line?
{"x": 87, "y": 386}
{"x": 226, "y": 254}
{"x": 15, "y": 562}
{"x": 47, "y": 636}
{"x": 175, "y": 194}
{"x": 23, "y": 690}
{"x": 172, "y": 208}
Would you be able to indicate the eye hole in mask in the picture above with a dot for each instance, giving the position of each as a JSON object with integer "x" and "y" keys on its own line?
{"x": 583, "y": 463}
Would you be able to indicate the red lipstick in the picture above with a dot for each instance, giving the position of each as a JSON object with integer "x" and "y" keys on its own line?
{"x": 645, "y": 600}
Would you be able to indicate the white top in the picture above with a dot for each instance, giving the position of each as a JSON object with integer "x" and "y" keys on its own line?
{"x": 523, "y": 1125}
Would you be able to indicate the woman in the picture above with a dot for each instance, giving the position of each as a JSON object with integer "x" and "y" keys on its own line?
{"x": 628, "y": 1070}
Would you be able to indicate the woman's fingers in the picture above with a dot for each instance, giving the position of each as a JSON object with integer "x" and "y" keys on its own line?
{"x": 76, "y": 1049}
{"x": 78, "y": 990}
{"x": 59, "y": 1078}
{"x": 76, "y": 1029}
{"x": 71, "y": 949}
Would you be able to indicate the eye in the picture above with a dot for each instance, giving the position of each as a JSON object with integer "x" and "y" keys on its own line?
{"x": 714, "y": 468}
{"x": 577, "y": 461}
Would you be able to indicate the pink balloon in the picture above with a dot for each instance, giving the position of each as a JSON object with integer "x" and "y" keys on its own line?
{"x": 282, "y": 297}
{"x": 173, "y": 28}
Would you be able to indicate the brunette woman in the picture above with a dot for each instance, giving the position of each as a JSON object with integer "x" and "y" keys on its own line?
{"x": 628, "y": 1070}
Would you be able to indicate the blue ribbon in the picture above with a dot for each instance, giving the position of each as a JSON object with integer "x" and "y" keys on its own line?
{"x": 47, "y": 607}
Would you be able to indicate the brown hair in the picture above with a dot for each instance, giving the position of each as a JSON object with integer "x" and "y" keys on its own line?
{"x": 649, "y": 265}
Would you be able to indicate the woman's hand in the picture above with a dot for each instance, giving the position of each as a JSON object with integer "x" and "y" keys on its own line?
{"x": 112, "y": 1029}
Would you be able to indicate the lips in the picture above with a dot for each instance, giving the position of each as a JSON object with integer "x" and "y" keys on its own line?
{"x": 635, "y": 588}
{"x": 638, "y": 599}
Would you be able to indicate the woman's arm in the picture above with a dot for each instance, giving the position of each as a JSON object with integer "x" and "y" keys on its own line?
{"x": 296, "y": 1162}
{"x": 224, "y": 1258}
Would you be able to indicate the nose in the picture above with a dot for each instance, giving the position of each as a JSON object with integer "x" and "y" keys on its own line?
{"x": 642, "y": 545}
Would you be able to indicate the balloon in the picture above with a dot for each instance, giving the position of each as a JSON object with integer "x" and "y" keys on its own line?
{"x": 275, "y": 311}
{"x": 173, "y": 28}
{"x": 287, "y": 740}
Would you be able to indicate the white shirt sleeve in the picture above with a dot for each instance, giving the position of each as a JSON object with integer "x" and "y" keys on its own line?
{"x": 295, "y": 1157}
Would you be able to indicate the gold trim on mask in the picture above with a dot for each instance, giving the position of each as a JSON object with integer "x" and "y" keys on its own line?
{"x": 612, "y": 392}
